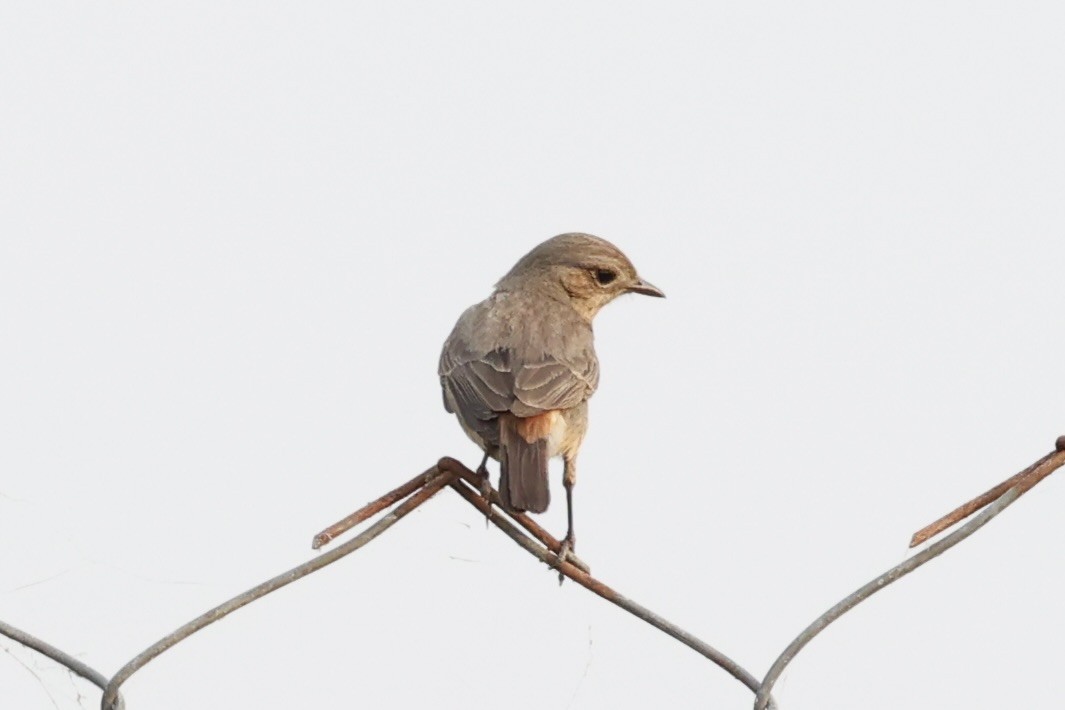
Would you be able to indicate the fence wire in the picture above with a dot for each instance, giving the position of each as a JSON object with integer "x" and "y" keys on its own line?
{"x": 531, "y": 537}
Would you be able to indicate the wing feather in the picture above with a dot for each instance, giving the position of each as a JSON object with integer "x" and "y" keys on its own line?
{"x": 486, "y": 370}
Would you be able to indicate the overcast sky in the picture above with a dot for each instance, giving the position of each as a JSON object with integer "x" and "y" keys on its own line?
{"x": 233, "y": 237}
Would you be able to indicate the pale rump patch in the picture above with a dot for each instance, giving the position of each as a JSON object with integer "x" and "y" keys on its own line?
{"x": 549, "y": 425}
{"x": 538, "y": 427}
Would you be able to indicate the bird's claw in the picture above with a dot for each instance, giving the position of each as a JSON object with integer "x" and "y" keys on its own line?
{"x": 567, "y": 547}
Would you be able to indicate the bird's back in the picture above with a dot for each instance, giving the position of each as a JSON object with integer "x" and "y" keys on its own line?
{"x": 516, "y": 352}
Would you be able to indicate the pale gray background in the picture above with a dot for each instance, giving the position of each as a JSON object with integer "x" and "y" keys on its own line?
{"x": 234, "y": 235}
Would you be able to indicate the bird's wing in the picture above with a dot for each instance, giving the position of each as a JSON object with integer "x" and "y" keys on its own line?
{"x": 553, "y": 384}
{"x": 487, "y": 385}
{"x": 482, "y": 379}
{"x": 475, "y": 385}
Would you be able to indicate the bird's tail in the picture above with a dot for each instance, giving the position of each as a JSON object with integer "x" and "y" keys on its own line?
{"x": 523, "y": 466}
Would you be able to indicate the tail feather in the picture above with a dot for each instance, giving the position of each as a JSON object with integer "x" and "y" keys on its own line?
{"x": 523, "y": 469}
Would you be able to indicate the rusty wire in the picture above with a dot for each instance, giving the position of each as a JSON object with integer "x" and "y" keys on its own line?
{"x": 594, "y": 585}
{"x": 1019, "y": 485}
{"x": 434, "y": 484}
{"x": 449, "y": 472}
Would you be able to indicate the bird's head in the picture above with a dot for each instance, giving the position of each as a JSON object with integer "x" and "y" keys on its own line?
{"x": 591, "y": 271}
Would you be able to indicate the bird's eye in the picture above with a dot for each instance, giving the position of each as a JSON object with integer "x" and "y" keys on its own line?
{"x": 604, "y": 276}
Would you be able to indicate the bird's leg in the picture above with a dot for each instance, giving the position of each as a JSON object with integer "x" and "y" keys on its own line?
{"x": 569, "y": 543}
{"x": 482, "y": 471}
{"x": 486, "y": 486}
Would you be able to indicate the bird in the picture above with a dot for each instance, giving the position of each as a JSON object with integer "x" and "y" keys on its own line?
{"x": 519, "y": 367}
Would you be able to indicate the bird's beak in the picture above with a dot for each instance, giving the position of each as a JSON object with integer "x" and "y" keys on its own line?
{"x": 646, "y": 288}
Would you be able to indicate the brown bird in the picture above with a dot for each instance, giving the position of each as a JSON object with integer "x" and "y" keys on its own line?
{"x": 519, "y": 367}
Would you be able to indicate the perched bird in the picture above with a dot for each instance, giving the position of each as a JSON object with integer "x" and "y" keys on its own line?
{"x": 519, "y": 367}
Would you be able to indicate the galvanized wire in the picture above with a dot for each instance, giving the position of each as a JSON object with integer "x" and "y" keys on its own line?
{"x": 546, "y": 548}
{"x": 62, "y": 658}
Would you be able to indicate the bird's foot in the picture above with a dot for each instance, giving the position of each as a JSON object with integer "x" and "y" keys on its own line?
{"x": 569, "y": 545}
